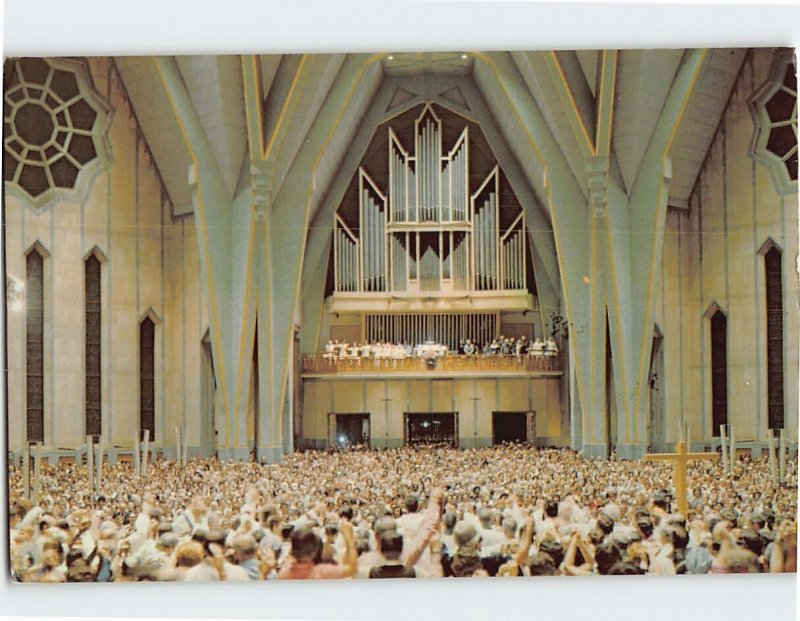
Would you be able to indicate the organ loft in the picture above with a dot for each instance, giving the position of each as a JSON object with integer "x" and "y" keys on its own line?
{"x": 248, "y": 255}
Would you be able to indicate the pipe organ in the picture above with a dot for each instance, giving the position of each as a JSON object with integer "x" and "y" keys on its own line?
{"x": 443, "y": 328}
{"x": 430, "y": 232}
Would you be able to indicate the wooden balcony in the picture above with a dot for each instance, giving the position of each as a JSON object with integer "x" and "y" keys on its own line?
{"x": 319, "y": 364}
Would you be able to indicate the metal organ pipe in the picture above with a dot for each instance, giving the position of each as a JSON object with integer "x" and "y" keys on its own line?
{"x": 373, "y": 245}
{"x": 373, "y": 231}
{"x": 517, "y": 256}
{"x": 436, "y": 214}
{"x": 344, "y": 251}
{"x": 356, "y": 268}
{"x": 430, "y": 176}
{"x": 492, "y": 243}
{"x": 381, "y": 216}
{"x": 426, "y": 208}
{"x": 482, "y": 248}
{"x": 371, "y": 234}
{"x": 367, "y": 241}
{"x": 421, "y": 176}
{"x": 344, "y": 268}
{"x": 426, "y": 178}
{"x": 515, "y": 260}
{"x": 412, "y": 193}
{"x": 352, "y": 264}
{"x": 339, "y": 280}
{"x": 337, "y": 274}
{"x": 402, "y": 167}
{"x": 347, "y": 255}
{"x": 476, "y": 252}
{"x": 379, "y": 266}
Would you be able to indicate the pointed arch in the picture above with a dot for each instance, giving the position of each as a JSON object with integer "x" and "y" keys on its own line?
{"x": 712, "y": 309}
{"x": 97, "y": 253}
{"x": 152, "y": 315}
{"x": 768, "y": 245}
{"x": 39, "y": 247}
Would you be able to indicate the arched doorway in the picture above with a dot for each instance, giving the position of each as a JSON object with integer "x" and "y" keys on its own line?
{"x": 656, "y": 393}
{"x": 208, "y": 396}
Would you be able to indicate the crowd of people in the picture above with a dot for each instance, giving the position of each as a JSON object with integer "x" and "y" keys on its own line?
{"x": 509, "y": 510}
{"x": 501, "y": 346}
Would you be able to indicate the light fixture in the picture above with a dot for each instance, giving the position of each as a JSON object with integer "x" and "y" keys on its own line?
{"x": 390, "y": 57}
{"x": 463, "y": 57}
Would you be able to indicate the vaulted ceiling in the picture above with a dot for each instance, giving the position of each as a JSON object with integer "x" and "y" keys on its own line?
{"x": 294, "y": 89}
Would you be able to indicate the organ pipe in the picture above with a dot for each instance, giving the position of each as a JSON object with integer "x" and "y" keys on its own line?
{"x": 430, "y": 186}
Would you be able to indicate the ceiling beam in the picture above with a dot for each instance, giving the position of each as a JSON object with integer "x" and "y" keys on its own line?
{"x": 605, "y": 102}
{"x": 570, "y": 106}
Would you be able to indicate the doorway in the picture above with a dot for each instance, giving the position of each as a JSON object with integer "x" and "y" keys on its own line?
{"x": 509, "y": 427}
{"x": 430, "y": 428}
{"x": 656, "y": 383}
{"x": 208, "y": 396}
{"x": 349, "y": 429}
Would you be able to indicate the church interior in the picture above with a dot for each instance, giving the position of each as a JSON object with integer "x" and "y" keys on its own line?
{"x": 247, "y": 256}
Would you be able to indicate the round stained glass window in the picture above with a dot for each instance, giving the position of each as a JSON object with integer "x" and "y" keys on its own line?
{"x": 54, "y": 129}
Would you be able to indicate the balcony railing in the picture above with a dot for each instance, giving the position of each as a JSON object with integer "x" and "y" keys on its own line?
{"x": 319, "y": 364}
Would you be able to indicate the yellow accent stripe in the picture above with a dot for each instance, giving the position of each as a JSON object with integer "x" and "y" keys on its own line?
{"x": 252, "y": 87}
{"x": 606, "y": 95}
{"x": 565, "y": 93}
{"x": 278, "y": 124}
{"x": 531, "y": 142}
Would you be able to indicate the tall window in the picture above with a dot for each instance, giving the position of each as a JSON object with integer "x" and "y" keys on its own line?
{"x": 147, "y": 376}
{"x": 34, "y": 346}
{"x": 719, "y": 370}
{"x": 772, "y": 262}
{"x": 93, "y": 366}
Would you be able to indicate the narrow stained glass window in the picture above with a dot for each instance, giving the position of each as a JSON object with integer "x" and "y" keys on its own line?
{"x": 147, "y": 375}
{"x": 772, "y": 262}
{"x": 34, "y": 346}
{"x": 719, "y": 370}
{"x": 93, "y": 342}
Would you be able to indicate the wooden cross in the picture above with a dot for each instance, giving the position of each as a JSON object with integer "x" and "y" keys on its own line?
{"x": 681, "y": 459}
